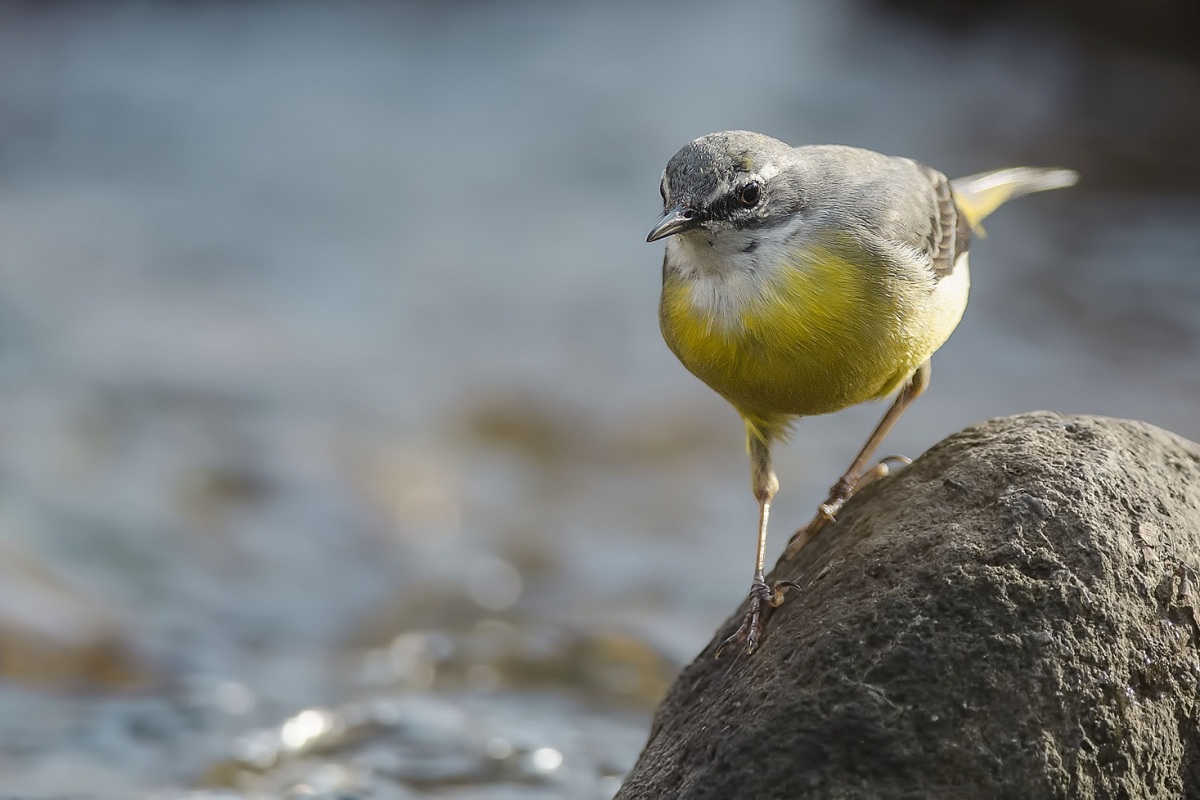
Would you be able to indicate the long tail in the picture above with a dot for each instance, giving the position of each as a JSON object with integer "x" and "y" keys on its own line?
{"x": 980, "y": 195}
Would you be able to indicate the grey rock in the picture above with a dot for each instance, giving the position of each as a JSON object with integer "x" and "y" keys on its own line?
{"x": 1015, "y": 615}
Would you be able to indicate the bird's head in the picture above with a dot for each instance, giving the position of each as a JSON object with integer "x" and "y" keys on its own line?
{"x": 733, "y": 180}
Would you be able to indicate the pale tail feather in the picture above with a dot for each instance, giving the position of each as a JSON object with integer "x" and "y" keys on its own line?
{"x": 980, "y": 195}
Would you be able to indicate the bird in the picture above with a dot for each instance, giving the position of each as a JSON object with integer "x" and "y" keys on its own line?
{"x": 800, "y": 281}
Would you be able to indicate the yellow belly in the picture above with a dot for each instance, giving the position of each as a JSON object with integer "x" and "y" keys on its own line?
{"x": 812, "y": 340}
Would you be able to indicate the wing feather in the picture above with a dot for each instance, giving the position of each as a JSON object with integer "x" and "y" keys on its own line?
{"x": 949, "y": 231}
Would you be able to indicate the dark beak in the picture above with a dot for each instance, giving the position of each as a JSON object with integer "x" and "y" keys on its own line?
{"x": 676, "y": 220}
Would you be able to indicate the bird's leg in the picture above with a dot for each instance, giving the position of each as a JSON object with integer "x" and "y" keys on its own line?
{"x": 762, "y": 596}
{"x": 858, "y": 475}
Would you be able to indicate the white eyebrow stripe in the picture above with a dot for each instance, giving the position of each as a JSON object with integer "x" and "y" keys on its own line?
{"x": 766, "y": 173}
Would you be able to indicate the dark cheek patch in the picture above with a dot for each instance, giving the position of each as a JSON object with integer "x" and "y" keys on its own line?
{"x": 750, "y": 248}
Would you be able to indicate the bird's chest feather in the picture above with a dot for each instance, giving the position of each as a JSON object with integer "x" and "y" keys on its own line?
{"x": 803, "y": 338}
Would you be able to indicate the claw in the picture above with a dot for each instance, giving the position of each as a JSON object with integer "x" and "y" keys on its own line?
{"x": 805, "y": 534}
{"x": 762, "y": 597}
{"x": 880, "y": 470}
{"x": 841, "y": 492}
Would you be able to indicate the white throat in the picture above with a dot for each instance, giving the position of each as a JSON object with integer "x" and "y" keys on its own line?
{"x": 729, "y": 271}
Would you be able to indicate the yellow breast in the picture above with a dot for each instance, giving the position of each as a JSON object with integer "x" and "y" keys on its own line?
{"x": 810, "y": 339}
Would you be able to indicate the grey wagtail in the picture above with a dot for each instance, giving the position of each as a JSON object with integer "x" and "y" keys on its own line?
{"x": 803, "y": 280}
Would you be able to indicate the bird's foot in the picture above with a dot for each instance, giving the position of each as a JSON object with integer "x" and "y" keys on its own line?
{"x": 762, "y": 597}
{"x": 841, "y": 491}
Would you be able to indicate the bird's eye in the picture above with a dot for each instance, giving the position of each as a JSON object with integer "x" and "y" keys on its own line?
{"x": 748, "y": 195}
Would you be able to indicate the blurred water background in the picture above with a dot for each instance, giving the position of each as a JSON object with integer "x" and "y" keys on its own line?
{"x": 339, "y": 452}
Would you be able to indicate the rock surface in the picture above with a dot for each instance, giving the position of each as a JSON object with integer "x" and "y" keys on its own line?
{"x": 1016, "y": 615}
